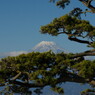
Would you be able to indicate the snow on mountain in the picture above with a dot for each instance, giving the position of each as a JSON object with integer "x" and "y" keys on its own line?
{"x": 40, "y": 47}
{"x": 46, "y": 46}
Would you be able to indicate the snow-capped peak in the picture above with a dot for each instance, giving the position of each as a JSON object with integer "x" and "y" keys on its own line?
{"x": 46, "y": 46}
{"x": 43, "y": 43}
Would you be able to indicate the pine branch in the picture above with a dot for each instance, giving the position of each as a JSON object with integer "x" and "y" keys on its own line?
{"x": 88, "y": 4}
{"x": 14, "y": 78}
{"x": 69, "y": 78}
{"x": 78, "y": 40}
{"x": 86, "y": 53}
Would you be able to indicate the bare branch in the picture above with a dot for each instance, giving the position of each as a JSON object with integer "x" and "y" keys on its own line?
{"x": 14, "y": 78}
{"x": 88, "y": 4}
{"x": 80, "y": 41}
{"x": 86, "y": 53}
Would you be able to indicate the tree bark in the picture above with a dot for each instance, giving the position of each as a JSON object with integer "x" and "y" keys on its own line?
{"x": 70, "y": 77}
{"x": 78, "y": 40}
{"x": 88, "y": 4}
{"x": 86, "y": 53}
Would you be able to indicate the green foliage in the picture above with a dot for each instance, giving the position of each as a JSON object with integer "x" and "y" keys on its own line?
{"x": 61, "y": 3}
{"x": 76, "y": 12}
{"x": 93, "y": 45}
{"x": 58, "y": 90}
{"x": 86, "y": 69}
{"x": 41, "y": 68}
{"x": 87, "y": 91}
{"x": 45, "y": 68}
{"x": 71, "y": 25}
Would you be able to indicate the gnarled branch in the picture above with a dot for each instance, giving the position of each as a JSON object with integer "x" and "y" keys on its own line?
{"x": 80, "y": 41}
{"x": 69, "y": 78}
{"x": 88, "y": 4}
{"x": 86, "y": 53}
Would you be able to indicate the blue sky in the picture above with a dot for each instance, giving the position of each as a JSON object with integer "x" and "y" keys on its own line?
{"x": 20, "y": 22}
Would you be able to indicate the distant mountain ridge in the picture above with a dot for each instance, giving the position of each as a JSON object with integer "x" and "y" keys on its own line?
{"x": 47, "y": 46}
{"x": 40, "y": 47}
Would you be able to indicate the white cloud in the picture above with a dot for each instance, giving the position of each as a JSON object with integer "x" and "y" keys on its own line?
{"x": 13, "y": 53}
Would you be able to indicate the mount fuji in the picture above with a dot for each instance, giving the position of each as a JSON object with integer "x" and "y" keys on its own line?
{"x": 47, "y": 46}
{"x": 40, "y": 47}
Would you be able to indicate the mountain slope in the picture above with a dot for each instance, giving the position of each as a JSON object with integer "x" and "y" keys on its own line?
{"x": 46, "y": 46}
